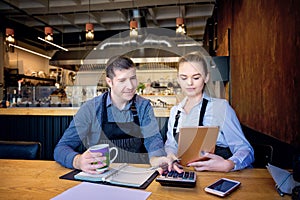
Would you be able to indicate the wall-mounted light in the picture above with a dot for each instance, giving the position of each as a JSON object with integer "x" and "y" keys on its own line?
{"x": 180, "y": 26}
{"x": 53, "y": 44}
{"x": 89, "y": 31}
{"x": 10, "y": 36}
{"x": 29, "y": 51}
{"x": 133, "y": 28}
{"x": 48, "y": 34}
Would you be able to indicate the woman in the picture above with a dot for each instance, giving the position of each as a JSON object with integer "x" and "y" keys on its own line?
{"x": 233, "y": 151}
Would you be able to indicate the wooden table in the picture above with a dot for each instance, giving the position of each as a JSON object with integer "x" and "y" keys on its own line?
{"x": 27, "y": 179}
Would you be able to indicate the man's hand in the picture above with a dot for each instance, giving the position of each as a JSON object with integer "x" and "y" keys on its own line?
{"x": 174, "y": 165}
{"x": 166, "y": 163}
{"x": 89, "y": 162}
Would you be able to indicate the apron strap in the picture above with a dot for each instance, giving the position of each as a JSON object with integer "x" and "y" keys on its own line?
{"x": 202, "y": 111}
{"x": 104, "y": 110}
{"x": 175, "y": 125}
{"x": 134, "y": 111}
{"x": 137, "y": 121}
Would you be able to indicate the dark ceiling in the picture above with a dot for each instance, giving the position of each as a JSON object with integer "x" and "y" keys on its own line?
{"x": 68, "y": 18}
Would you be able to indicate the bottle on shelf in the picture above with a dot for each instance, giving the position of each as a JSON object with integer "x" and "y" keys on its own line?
{"x": 19, "y": 95}
{"x": 14, "y": 98}
{"x": 6, "y": 98}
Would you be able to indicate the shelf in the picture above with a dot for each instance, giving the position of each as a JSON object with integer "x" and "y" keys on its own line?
{"x": 156, "y": 71}
{"x": 35, "y": 78}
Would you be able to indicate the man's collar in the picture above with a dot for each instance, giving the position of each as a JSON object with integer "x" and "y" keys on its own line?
{"x": 109, "y": 102}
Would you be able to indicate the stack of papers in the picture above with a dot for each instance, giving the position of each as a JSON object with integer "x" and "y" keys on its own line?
{"x": 87, "y": 190}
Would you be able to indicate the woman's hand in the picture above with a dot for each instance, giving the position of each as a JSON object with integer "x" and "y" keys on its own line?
{"x": 214, "y": 163}
{"x": 89, "y": 162}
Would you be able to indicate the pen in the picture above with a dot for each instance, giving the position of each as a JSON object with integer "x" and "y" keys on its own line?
{"x": 279, "y": 185}
{"x": 279, "y": 192}
{"x": 165, "y": 165}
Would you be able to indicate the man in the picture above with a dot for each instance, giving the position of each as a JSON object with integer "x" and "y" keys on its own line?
{"x": 118, "y": 117}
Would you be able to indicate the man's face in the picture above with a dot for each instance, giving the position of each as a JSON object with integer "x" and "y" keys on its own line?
{"x": 123, "y": 85}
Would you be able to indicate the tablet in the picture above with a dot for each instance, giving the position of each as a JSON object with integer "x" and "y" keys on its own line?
{"x": 194, "y": 140}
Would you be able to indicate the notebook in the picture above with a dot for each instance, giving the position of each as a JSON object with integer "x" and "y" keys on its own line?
{"x": 119, "y": 174}
{"x": 194, "y": 140}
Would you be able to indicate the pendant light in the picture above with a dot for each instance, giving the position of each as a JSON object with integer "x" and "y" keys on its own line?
{"x": 133, "y": 24}
{"x": 180, "y": 29}
{"x": 10, "y": 36}
{"x": 180, "y": 26}
{"x": 89, "y": 31}
{"x": 133, "y": 28}
{"x": 48, "y": 33}
{"x": 89, "y": 28}
{"x": 49, "y": 38}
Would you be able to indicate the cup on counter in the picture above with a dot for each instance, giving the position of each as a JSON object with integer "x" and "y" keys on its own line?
{"x": 106, "y": 151}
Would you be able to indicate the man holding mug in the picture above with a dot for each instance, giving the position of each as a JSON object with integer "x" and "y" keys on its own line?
{"x": 119, "y": 118}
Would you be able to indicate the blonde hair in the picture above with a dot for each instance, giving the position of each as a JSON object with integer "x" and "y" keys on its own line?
{"x": 197, "y": 57}
{"x": 192, "y": 57}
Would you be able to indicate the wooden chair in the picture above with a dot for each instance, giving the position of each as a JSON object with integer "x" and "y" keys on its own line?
{"x": 20, "y": 150}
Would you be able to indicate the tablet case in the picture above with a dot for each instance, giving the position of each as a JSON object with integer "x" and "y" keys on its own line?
{"x": 194, "y": 140}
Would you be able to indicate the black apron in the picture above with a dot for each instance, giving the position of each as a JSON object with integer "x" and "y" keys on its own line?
{"x": 126, "y": 136}
{"x": 220, "y": 151}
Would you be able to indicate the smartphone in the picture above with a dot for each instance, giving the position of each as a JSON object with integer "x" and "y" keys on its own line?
{"x": 222, "y": 187}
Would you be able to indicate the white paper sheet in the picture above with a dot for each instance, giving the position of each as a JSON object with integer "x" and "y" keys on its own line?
{"x": 87, "y": 190}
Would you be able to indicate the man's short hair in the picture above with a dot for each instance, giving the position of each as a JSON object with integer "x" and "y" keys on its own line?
{"x": 117, "y": 63}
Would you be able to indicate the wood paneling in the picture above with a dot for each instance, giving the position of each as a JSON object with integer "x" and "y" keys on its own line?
{"x": 45, "y": 129}
{"x": 265, "y": 40}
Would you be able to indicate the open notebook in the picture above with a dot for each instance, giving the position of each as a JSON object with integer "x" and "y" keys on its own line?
{"x": 119, "y": 174}
{"x": 193, "y": 141}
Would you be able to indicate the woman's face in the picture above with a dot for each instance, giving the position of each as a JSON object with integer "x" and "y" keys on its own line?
{"x": 191, "y": 78}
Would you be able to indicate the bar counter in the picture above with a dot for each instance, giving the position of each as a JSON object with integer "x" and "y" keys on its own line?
{"x": 47, "y": 125}
{"x": 61, "y": 111}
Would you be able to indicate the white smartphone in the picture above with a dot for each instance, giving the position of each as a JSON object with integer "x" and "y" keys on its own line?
{"x": 222, "y": 187}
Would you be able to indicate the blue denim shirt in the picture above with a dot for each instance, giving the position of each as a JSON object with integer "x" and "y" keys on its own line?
{"x": 85, "y": 128}
{"x": 218, "y": 113}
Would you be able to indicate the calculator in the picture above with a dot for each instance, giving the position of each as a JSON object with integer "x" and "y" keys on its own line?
{"x": 175, "y": 179}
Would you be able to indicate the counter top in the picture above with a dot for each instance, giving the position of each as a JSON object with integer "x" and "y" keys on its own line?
{"x": 23, "y": 178}
{"x": 62, "y": 111}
